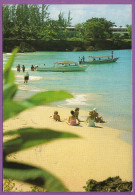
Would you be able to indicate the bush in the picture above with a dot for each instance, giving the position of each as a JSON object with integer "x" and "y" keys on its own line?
{"x": 112, "y": 184}
{"x": 90, "y": 48}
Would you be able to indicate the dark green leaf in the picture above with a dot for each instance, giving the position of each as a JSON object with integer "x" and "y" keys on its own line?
{"x": 9, "y": 90}
{"x": 29, "y": 137}
{"x": 33, "y": 175}
{"x": 11, "y": 108}
{"x": 49, "y": 96}
{"x": 8, "y": 75}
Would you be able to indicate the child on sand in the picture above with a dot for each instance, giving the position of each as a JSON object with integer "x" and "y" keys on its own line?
{"x": 98, "y": 119}
{"x": 72, "y": 119}
{"x": 76, "y": 114}
{"x": 56, "y": 117}
{"x": 90, "y": 119}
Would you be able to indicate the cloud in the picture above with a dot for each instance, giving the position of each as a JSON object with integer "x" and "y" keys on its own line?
{"x": 120, "y": 13}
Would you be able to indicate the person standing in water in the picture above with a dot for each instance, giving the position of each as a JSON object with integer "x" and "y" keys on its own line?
{"x": 79, "y": 60}
{"x": 26, "y": 77}
{"x": 112, "y": 54}
{"x": 18, "y": 67}
{"x": 32, "y": 68}
{"x": 23, "y": 68}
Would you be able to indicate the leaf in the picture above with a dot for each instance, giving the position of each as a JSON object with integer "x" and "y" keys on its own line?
{"x": 9, "y": 91}
{"x": 8, "y": 75}
{"x": 49, "y": 96}
{"x": 29, "y": 137}
{"x": 33, "y": 175}
{"x": 12, "y": 108}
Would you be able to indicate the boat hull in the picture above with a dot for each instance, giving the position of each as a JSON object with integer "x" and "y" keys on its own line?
{"x": 101, "y": 61}
{"x": 63, "y": 69}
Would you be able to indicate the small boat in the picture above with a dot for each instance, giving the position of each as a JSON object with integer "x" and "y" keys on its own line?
{"x": 64, "y": 66}
{"x": 100, "y": 59}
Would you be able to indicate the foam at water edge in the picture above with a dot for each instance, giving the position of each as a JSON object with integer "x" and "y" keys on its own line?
{"x": 79, "y": 99}
{"x": 30, "y": 88}
{"x": 33, "y": 78}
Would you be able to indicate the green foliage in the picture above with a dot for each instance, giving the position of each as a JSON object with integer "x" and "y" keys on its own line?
{"x": 8, "y": 75}
{"x": 8, "y": 185}
{"x": 33, "y": 175}
{"x": 23, "y": 21}
{"x": 30, "y": 22}
{"x": 28, "y": 137}
{"x": 33, "y": 22}
{"x": 129, "y": 31}
{"x": 97, "y": 28}
{"x": 38, "y": 99}
{"x": 111, "y": 184}
{"x": 37, "y": 189}
{"x": 69, "y": 19}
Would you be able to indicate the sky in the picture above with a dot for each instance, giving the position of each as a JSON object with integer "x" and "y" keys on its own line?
{"x": 120, "y": 14}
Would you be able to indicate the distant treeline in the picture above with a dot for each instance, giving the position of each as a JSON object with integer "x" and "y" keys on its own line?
{"x": 31, "y": 28}
{"x": 59, "y": 45}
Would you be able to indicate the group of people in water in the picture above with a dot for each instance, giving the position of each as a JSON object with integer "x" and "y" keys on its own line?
{"x": 23, "y": 68}
{"x": 82, "y": 59}
{"x": 74, "y": 120}
{"x": 33, "y": 68}
{"x": 26, "y": 76}
{"x": 19, "y": 68}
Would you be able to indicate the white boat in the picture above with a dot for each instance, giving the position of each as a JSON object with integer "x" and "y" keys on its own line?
{"x": 64, "y": 66}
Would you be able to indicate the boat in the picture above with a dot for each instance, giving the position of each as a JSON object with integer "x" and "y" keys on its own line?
{"x": 64, "y": 66}
{"x": 99, "y": 60}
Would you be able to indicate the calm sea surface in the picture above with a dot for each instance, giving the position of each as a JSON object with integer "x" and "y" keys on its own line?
{"x": 107, "y": 87}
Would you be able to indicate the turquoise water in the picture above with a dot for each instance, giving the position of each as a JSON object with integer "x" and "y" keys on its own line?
{"x": 107, "y": 87}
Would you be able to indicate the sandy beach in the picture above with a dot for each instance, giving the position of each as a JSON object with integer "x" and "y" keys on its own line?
{"x": 99, "y": 153}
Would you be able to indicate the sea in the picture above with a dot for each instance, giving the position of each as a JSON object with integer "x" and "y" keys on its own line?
{"x": 106, "y": 87}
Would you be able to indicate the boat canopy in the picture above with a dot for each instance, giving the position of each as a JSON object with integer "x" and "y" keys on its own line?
{"x": 65, "y": 62}
{"x": 99, "y": 56}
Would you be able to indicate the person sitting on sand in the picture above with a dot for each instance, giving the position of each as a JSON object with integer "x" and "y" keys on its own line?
{"x": 72, "y": 119}
{"x": 76, "y": 114}
{"x": 98, "y": 119}
{"x": 56, "y": 117}
{"x": 91, "y": 119}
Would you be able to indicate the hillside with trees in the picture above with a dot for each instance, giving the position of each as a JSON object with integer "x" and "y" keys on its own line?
{"x": 31, "y": 28}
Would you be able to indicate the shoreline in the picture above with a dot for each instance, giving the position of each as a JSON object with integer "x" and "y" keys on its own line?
{"x": 98, "y": 154}
{"x": 20, "y": 97}
{"x": 65, "y": 45}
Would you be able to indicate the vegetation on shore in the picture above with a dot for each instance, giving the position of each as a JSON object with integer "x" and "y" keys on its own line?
{"x": 112, "y": 184}
{"x": 23, "y": 25}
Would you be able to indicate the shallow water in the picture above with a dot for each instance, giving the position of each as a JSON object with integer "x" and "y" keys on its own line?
{"x": 107, "y": 87}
